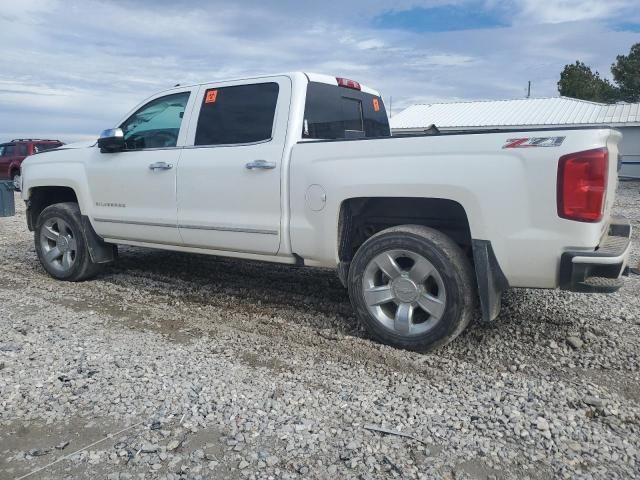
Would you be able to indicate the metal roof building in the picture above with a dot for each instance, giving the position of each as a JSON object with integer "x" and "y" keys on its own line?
{"x": 528, "y": 113}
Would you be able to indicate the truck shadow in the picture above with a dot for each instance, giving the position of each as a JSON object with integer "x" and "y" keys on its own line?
{"x": 201, "y": 278}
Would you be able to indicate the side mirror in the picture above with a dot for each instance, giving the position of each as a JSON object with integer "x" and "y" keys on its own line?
{"x": 111, "y": 140}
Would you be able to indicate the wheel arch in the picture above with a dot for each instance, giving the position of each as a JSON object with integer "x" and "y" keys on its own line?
{"x": 41, "y": 197}
{"x": 362, "y": 217}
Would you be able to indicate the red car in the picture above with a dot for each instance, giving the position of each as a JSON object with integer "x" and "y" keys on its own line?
{"x": 14, "y": 152}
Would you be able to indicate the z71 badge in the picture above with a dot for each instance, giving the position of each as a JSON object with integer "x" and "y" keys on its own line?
{"x": 534, "y": 142}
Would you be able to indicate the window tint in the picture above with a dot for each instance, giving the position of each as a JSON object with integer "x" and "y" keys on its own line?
{"x": 157, "y": 124}
{"x": 241, "y": 114}
{"x": 336, "y": 112}
{"x": 352, "y": 110}
{"x": 22, "y": 149}
{"x": 9, "y": 151}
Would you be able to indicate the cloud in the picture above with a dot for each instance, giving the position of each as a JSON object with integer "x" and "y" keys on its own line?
{"x": 78, "y": 67}
{"x": 560, "y": 11}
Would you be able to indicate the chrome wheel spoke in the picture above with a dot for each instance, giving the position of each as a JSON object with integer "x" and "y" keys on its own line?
{"x": 67, "y": 260}
{"x": 52, "y": 255}
{"x": 73, "y": 245}
{"x": 432, "y": 305}
{"x": 378, "y": 295}
{"x": 63, "y": 228}
{"x": 402, "y": 321}
{"x": 421, "y": 270}
{"x": 50, "y": 233}
{"x": 388, "y": 265}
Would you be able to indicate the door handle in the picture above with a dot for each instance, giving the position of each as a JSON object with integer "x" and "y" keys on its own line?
{"x": 260, "y": 164}
{"x": 161, "y": 166}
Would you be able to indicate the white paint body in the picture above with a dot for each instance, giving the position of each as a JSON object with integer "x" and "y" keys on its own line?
{"x": 211, "y": 203}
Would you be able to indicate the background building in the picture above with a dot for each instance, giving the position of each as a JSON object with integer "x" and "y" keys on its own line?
{"x": 528, "y": 113}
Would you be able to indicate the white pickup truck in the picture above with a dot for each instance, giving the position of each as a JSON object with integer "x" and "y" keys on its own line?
{"x": 301, "y": 169}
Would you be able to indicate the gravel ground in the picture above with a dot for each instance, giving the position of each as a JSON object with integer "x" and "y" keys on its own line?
{"x": 177, "y": 366}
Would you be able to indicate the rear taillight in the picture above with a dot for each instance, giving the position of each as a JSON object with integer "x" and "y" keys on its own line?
{"x": 345, "y": 82}
{"x": 582, "y": 185}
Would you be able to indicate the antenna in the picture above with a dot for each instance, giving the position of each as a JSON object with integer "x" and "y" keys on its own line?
{"x": 529, "y": 90}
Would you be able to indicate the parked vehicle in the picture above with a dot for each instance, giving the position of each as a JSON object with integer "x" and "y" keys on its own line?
{"x": 301, "y": 169}
{"x": 14, "y": 152}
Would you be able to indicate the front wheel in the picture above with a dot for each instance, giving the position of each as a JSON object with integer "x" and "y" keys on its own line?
{"x": 61, "y": 245}
{"x": 412, "y": 287}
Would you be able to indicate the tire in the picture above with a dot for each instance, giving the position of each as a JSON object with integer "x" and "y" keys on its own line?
{"x": 15, "y": 180}
{"x": 422, "y": 299}
{"x": 61, "y": 245}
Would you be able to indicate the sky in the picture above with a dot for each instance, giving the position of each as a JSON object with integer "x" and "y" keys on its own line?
{"x": 72, "y": 68}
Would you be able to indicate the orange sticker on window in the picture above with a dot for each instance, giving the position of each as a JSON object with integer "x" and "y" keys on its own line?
{"x": 211, "y": 97}
{"x": 376, "y": 105}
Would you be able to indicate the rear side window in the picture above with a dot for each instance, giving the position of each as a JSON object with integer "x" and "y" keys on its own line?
{"x": 22, "y": 149}
{"x": 234, "y": 115}
{"x": 333, "y": 112}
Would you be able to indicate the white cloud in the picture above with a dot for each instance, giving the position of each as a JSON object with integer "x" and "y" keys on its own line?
{"x": 560, "y": 11}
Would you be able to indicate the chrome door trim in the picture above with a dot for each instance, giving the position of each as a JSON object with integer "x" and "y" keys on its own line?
{"x": 132, "y": 222}
{"x": 190, "y": 227}
{"x": 229, "y": 229}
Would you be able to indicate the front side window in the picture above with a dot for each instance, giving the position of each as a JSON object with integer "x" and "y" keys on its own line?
{"x": 157, "y": 124}
{"x": 22, "y": 149}
{"x": 234, "y": 115}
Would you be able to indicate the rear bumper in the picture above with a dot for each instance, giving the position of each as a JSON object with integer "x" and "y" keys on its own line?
{"x": 599, "y": 271}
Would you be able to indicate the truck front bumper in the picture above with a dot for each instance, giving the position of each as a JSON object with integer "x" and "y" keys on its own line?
{"x": 599, "y": 271}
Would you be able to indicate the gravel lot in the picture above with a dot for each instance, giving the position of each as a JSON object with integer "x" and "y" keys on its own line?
{"x": 199, "y": 367}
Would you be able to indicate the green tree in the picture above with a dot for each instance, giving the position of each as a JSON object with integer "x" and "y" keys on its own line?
{"x": 626, "y": 73}
{"x": 578, "y": 81}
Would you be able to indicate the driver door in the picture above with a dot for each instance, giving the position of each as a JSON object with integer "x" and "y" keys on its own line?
{"x": 134, "y": 191}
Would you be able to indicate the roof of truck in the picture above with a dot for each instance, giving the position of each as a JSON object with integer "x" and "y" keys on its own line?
{"x": 312, "y": 77}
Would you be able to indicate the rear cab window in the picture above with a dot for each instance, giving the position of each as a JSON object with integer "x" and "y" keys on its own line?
{"x": 334, "y": 112}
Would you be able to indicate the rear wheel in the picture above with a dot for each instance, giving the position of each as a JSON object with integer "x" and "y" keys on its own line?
{"x": 60, "y": 243}
{"x": 412, "y": 287}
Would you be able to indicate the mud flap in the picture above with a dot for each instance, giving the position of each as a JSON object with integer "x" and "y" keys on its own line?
{"x": 99, "y": 250}
{"x": 490, "y": 278}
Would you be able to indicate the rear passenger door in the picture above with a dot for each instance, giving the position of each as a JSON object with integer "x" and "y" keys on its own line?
{"x": 230, "y": 171}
